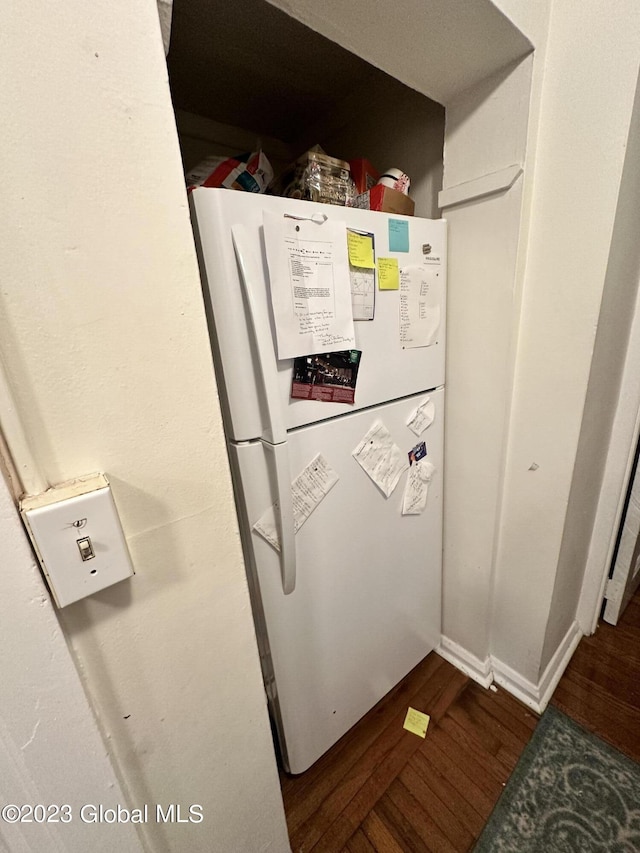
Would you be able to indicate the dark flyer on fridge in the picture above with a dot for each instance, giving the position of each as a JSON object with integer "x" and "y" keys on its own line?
{"x": 329, "y": 377}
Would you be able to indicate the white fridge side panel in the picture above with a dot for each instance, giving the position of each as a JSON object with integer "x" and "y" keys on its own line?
{"x": 387, "y": 372}
{"x": 234, "y": 350}
{"x": 367, "y": 604}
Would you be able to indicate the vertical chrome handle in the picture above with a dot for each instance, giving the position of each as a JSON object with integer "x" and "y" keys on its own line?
{"x": 275, "y": 432}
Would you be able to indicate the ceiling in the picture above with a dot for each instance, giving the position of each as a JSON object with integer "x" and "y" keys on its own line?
{"x": 439, "y": 48}
{"x": 254, "y": 64}
{"x": 250, "y": 65}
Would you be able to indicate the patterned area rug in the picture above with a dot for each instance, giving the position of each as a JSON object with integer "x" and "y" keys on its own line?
{"x": 570, "y": 793}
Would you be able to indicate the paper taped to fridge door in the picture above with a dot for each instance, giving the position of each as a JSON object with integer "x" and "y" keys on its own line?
{"x": 308, "y": 489}
{"x": 419, "y": 307}
{"x": 381, "y": 458}
{"x": 310, "y": 285}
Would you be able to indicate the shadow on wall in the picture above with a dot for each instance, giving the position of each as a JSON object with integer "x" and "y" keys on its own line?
{"x": 106, "y": 608}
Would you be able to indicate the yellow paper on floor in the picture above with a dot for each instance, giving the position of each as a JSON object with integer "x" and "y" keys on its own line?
{"x": 416, "y": 722}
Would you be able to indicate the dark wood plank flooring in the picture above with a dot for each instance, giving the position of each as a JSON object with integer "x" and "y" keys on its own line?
{"x": 382, "y": 789}
{"x": 601, "y": 686}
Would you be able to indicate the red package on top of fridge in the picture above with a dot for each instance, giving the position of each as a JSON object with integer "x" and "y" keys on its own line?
{"x": 250, "y": 172}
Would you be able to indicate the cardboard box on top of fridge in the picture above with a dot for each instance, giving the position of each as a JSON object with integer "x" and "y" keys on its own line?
{"x": 364, "y": 174}
{"x": 386, "y": 200}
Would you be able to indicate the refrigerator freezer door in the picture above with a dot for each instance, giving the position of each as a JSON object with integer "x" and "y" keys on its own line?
{"x": 387, "y": 371}
{"x": 366, "y": 607}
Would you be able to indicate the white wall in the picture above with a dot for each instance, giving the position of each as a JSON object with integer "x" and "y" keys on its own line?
{"x": 522, "y": 335}
{"x": 604, "y": 395}
{"x": 50, "y": 748}
{"x": 483, "y": 309}
{"x": 591, "y": 69}
{"x": 105, "y": 342}
{"x": 490, "y": 127}
{"x": 514, "y": 554}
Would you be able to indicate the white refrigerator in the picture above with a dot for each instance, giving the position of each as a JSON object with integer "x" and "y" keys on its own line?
{"x": 352, "y": 601}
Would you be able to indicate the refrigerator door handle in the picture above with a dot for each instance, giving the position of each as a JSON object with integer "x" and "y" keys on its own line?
{"x": 284, "y": 515}
{"x": 275, "y": 431}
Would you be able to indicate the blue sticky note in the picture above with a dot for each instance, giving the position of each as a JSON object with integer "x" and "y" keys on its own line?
{"x": 398, "y": 235}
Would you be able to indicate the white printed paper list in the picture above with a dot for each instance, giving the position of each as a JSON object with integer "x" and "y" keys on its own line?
{"x": 308, "y": 489}
{"x": 381, "y": 458}
{"x": 310, "y": 285}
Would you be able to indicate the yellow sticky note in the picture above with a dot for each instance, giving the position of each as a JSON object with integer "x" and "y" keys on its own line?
{"x": 416, "y": 722}
{"x": 360, "y": 250}
{"x": 388, "y": 274}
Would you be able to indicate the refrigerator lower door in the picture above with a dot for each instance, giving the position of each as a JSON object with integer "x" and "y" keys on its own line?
{"x": 367, "y": 603}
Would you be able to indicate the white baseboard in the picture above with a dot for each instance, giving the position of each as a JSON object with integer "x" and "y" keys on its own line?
{"x": 514, "y": 683}
{"x": 558, "y": 663}
{"x": 537, "y": 696}
{"x": 485, "y": 672}
{"x": 477, "y": 669}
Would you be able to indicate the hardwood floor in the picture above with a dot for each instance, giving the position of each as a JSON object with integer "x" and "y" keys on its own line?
{"x": 382, "y": 789}
{"x": 601, "y": 686}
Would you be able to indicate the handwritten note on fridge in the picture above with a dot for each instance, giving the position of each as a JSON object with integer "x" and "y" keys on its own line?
{"x": 310, "y": 286}
{"x": 416, "y": 489}
{"x": 361, "y": 252}
{"x": 398, "y": 235}
{"x": 381, "y": 458}
{"x": 308, "y": 489}
{"x": 362, "y": 274}
{"x": 422, "y": 417}
{"x": 388, "y": 274}
{"x": 420, "y": 297}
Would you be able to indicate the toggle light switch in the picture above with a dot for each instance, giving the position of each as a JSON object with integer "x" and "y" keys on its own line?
{"x": 86, "y": 549}
{"x": 78, "y": 537}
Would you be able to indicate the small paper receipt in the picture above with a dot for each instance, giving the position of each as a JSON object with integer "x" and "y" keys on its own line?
{"x": 422, "y": 417}
{"x": 308, "y": 489}
{"x": 383, "y": 460}
{"x": 416, "y": 722}
{"x": 417, "y": 487}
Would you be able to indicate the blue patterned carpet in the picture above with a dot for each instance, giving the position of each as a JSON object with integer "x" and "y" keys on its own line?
{"x": 570, "y": 793}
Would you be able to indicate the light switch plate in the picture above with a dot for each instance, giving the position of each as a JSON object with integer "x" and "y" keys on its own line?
{"x": 78, "y": 537}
